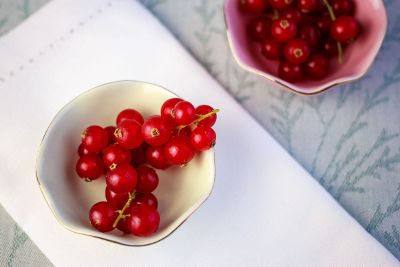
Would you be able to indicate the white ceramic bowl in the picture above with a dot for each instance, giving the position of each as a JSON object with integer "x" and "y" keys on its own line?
{"x": 180, "y": 192}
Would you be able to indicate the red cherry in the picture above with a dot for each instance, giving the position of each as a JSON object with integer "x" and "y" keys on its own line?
{"x": 146, "y": 198}
{"x": 253, "y": 6}
{"x": 330, "y": 47}
{"x": 117, "y": 201}
{"x": 324, "y": 23}
{"x": 203, "y": 138}
{"x": 94, "y": 138}
{"x": 82, "y": 150}
{"x": 110, "y": 132}
{"x": 259, "y": 28}
{"x": 167, "y": 107}
{"x": 283, "y": 30}
{"x": 147, "y": 179}
{"x": 310, "y": 34}
{"x": 308, "y": 6}
{"x": 271, "y": 49}
{"x": 342, "y": 7}
{"x": 317, "y": 67}
{"x": 344, "y": 29}
{"x": 144, "y": 220}
{"x": 281, "y": 4}
{"x": 130, "y": 114}
{"x": 156, "y": 158}
{"x": 156, "y": 131}
{"x": 297, "y": 51}
{"x": 122, "y": 179}
{"x": 290, "y": 72}
{"x": 184, "y": 113}
{"x": 89, "y": 167}
{"x": 203, "y": 110}
{"x": 115, "y": 155}
{"x": 129, "y": 134}
{"x": 139, "y": 155}
{"x": 293, "y": 14}
{"x": 178, "y": 150}
{"x": 102, "y": 216}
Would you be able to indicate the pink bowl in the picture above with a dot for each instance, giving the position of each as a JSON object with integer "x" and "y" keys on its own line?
{"x": 357, "y": 57}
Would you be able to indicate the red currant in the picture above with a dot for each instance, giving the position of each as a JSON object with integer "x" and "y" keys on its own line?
{"x": 94, "y": 138}
{"x": 82, "y": 150}
{"x": 123, "y": 223}
{"x": 117, "y": 201}
{"x": 344, "y": 29}
{"x": 203, "y": 110}
{"x": 283, "y": 30}
{"x": 271, "y": 49}
{"x": 178, "y": 150}
{"x": 310, "y": 34}
{"x": 156, "y": 131}
{"x": 144, "y": 220}
{"x": 89, "y": 167}
{"x": 297, "y": 51}
{"x": 115, "y": 155}
{"x": 110, "y": 132}
{"x": 342, "y": 7}
{"x": 156, "y": 158}
{"x": 324, "y": 23}
{"x": 147, "y": 179}
{"x": 167, "y": 107}
{"x": 146, "y": 198}
{"x": 259, "y": 28}
{"x": 253, "y": 6}
{"x": 139, "y": 155}
{"x": 184, "y": 113}
{"x": 184, "y": 131}
{"x": 122, "y": 179}
{"x": 293, "y": 15}
{"x": 203, "y": 138}
{"x": 281, "y": 4}
{"x": 317, "y": 67}
{"x": 308, "y": 6}
{"x": 290, "y": 72}
{"x": 102, "y": 216}
{"x": 329, "y": 47}
{"x": 129, "y": 134}
{"x": 130, "y": 114}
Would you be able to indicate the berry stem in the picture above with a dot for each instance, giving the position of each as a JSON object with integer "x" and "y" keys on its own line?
{"x": 199, "y": 119}
{"x": 333, "y": 18}
{"x": 121, "y": 212}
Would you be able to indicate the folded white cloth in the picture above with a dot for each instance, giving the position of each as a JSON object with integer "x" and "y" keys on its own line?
{"x": 264, "y": 210}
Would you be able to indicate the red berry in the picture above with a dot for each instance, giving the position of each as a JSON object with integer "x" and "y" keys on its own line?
{"x": 342, "y": 7}
{"x": 317, "y": 67}
{"x": 253, "y": 6}
{"x": 102, "y": 216}
{"x": 139, "y": 155}
{"x": 290, "y": 72}
{"x": 259, "y": 28}
{"x": 130, "y": 114}
{"x": 293, "y": 15}
{"x": 281, "y": 4}
{"x": 156, "y": 131}
{"x": 283, "y": 30}
{"x": 167, "y": 107}
{"x": 178, "y": 150}
{"x": 330, "y": 47}
{"x": 122, "y": 179}
{"x": 144, "y": 220}
{"x": 82, "y": 150}
{"x": 310, "y": 34}
{"x": 203, "y": 110}
{"x": 271, "y": 49}
{"x": 297, "y": 51}
{"x": 110, "y": 132}
{"x": 117, "y": 201}
{"x": 156, "y": 158}
{"x": 94, "y": 138}
{"x": 147, "y": 179}
{"x": 308, "y": 6}
{"x": 123, "y": 223}
{"x": 184, "y": 113}
{"x": 203, "y": 138}
{"x": 344, "y": 29}
{"x": 115, "y": 155}
{"x": 146, "y": 198}
{"x": 185, "y": 131}
{"x": 129, "y": 134}
{"x": 324, "y": 23}
{"x": 89, "y": 167}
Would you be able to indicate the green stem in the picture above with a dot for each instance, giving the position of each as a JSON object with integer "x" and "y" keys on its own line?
{"x": 199, "y": 119}
{"x": 121, "y": 212}
{"x": 333, "y": 18}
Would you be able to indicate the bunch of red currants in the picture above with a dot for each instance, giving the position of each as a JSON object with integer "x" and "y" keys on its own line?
{"x": 128, "y": 153}
{"x": 302, "y": 34}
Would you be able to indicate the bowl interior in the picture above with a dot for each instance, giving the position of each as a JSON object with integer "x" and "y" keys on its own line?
{"x": 181, "y": 190}
{"x": 358, "y": 56}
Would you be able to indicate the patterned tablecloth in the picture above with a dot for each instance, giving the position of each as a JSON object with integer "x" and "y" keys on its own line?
{"x": 348, "y": 138}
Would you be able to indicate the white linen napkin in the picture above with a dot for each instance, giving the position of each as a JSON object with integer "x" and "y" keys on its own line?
{"x": 264, "y": 210}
